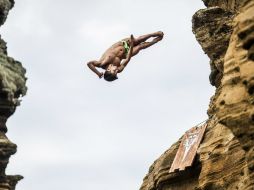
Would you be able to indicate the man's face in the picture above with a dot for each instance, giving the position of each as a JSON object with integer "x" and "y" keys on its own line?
{"x": 112, "y": 69}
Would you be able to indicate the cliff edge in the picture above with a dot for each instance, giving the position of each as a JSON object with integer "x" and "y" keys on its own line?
{"x": 225, "y": 157}
{"x": 12, "y": 87}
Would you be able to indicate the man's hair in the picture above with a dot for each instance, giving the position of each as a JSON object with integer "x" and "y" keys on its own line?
{"x": 108, "y": 76}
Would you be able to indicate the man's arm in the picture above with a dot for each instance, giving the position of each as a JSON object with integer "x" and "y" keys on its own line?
{"x": 126, "y": 61}
{"x": 92, "y": 65}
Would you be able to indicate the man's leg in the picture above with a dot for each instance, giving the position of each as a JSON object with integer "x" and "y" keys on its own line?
{"x": 145, "y": 45}
{"x": 143, "y": 38}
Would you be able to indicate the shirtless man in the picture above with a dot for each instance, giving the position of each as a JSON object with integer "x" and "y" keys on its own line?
{"x": 116, "y": 58}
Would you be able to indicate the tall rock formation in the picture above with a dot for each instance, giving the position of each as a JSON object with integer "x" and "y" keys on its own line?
{"x": 12, "y": 86}
{"x": 225, "y": 158}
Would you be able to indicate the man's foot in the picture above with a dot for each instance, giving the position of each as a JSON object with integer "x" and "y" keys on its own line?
{"x": 159, "y": 34}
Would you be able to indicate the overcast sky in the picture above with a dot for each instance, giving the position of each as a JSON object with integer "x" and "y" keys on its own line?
{"x": 75, "y": 131}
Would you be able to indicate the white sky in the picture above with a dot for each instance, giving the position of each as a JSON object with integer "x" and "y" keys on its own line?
{"x": 75, "y": 131}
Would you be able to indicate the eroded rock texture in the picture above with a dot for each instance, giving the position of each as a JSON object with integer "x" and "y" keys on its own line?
{"x": 12, "y": 86}
{"x": 225, "y": 158}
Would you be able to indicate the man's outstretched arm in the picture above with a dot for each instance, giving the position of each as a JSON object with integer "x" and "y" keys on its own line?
{"x": 92, "y": 65}
{"x": 126, "y": 61}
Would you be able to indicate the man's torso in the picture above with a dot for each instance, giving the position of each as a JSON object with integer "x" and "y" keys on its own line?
{"x": 116, "y": 53}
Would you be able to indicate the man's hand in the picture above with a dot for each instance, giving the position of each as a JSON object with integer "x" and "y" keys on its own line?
{"x": 100, "y": 75}
{"x": 129, "y": 55}
{"x": 132, "y": 38}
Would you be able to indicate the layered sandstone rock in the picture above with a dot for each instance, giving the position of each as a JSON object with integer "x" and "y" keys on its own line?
{"x": 12, "y": 86}
{"x": 225, "y": 158}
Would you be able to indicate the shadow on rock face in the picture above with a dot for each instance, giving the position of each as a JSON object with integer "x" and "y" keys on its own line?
{"x": 213, "y": 28}
{"x": 5, "y": 6}
{"x": 247, "y": 35}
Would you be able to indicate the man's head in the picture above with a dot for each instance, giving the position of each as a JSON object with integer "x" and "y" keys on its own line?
{"x": 111, "y": 73}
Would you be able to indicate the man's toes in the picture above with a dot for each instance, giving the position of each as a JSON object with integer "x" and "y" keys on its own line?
{"x": 160, "y": 33}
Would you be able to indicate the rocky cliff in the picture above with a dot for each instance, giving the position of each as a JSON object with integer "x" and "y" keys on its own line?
{"x": 12, "y": 87}
{"x": 225, "y": 158}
